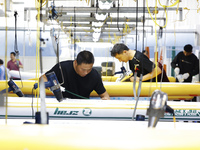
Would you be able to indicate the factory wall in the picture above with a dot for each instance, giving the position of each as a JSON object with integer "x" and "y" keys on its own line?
{"x": 26, "y": 41}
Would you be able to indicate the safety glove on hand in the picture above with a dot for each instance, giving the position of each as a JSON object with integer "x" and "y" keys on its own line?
{"x": 180, "y": 78}
{"x": 177, "y": 71}
{"x": 186, "y": 75}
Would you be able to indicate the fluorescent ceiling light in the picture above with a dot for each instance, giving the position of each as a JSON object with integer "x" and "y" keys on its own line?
{"x": 128, "y": 23}
{"x": 95, "y": 40}
{"x": 97, "y": 24}
{"x": 105, "y": 5}
{"x": 72, "y": 27}
{"x": 96, "y": 29}
{"x": 101, "y": 16}
{"x": 96, "y": 35}
{"x": 76, "y": 22}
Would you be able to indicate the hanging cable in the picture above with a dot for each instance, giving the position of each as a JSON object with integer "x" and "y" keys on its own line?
{"x": 16, "y": 47}
{"x": 136, "y": 31}
{"x": 6, "y": 36}
{"x": 58, "y": 61}
{"x": 137, "y": 95}
{"x": 156, "y": 45}
{"x": 97, "y": 6}
{"x": 32, "y": 107}
{"x": 170, "y": 5}
{"x": 135, "y": 73}
{"x": 164, "y": 50}
{"x": 123, "y": 31}
{"x": 143, "y": 24}
{"x": 74, "y": 33}
{"x": 38, "y": 53}
{"x": 155, "y": 14}
{"x": 118, "y": 16}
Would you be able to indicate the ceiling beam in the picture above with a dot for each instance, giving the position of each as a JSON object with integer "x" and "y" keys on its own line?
{"x": 111, "y": 10}
{"x": 104, "y": 25}
{"x": 92, "y": 19}
{"x": 76, "y": 0}
{"x": 91, "y": 30}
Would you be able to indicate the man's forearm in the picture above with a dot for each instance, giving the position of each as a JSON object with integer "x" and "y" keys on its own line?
{"x": 152, "y": 74}
{"x": 44, "y": 78}
{"x": 105, "y": 96}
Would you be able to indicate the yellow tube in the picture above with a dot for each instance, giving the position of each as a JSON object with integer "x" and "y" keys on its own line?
{"x": 180, "y": 97}
{"x": 172, "y": 89}
{"x": 114, "y": 78}
{"x": 125, "y": 89}
{"x": 109, "y": 78}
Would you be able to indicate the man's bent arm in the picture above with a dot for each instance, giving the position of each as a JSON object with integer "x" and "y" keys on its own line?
{"x": 152, "y": 74}
{"x": 149, "y": 75}
{"x": 104, "y": 96}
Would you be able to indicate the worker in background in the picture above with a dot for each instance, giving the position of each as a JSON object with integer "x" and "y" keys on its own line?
{"x": 79, "y": 77}
{"x": 14, "y": 64}
{"x": 138, "y": 62}
{"x": 2, "y": 70}
{"x": 185, "y": 65}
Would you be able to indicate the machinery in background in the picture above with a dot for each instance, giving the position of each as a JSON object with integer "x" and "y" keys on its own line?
{"x": 13, "y": 87}
{"x": 53, "y": 84}
{"x": 108, "y": 68}
{"x": 125, "y": 74}
{"x": 53, "y": 14}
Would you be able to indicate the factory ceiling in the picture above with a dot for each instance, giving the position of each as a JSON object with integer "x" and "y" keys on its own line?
{"x": 101, "y": 19}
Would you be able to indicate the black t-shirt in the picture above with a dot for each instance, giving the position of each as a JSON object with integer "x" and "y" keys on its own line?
{"x": 187, "y": 64}
{"x": 143, "y": 65}
{"x": 73, "y": 83}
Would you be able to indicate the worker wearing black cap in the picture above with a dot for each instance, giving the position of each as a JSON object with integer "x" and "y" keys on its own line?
{"x": 185, "y": 65}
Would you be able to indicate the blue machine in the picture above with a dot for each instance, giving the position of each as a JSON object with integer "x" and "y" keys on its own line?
{"x": 13, "y": 87}
{"x": 53, "y": 84}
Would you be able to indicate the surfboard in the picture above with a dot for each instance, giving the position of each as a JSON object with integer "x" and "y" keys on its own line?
{"x": 101, "y": 135}
{"x": 25, "y": 107}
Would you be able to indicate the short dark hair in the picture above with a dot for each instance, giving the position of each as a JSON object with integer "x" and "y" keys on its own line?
{"x": 85, "y": 57}
{"x": 118, "y": 49}
{"x": 188, "y": 48}
{"x": 13, "y": 53}
{"x": 1, "y": 61}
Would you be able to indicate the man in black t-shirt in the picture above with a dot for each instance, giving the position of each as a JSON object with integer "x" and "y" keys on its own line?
{"x": 185, "y": 65}
{"x": 138, "y": 62}
{"x": 78, "y": 77}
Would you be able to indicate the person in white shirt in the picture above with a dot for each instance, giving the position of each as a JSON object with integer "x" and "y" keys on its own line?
{"x": 2, "y": 70}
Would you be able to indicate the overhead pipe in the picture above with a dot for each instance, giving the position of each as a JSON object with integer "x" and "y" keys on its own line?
{"x": 89, "y": 19}
{"x": 111, "y": 10}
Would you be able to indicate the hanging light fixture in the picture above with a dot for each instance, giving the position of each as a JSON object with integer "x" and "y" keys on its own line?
{"x": 101, "y": 16}
{"x": 96, "y": 36}
{"x": 97, "y": 24}
{"x": 105, "y": 4}
{"x": 96, "y": 29}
